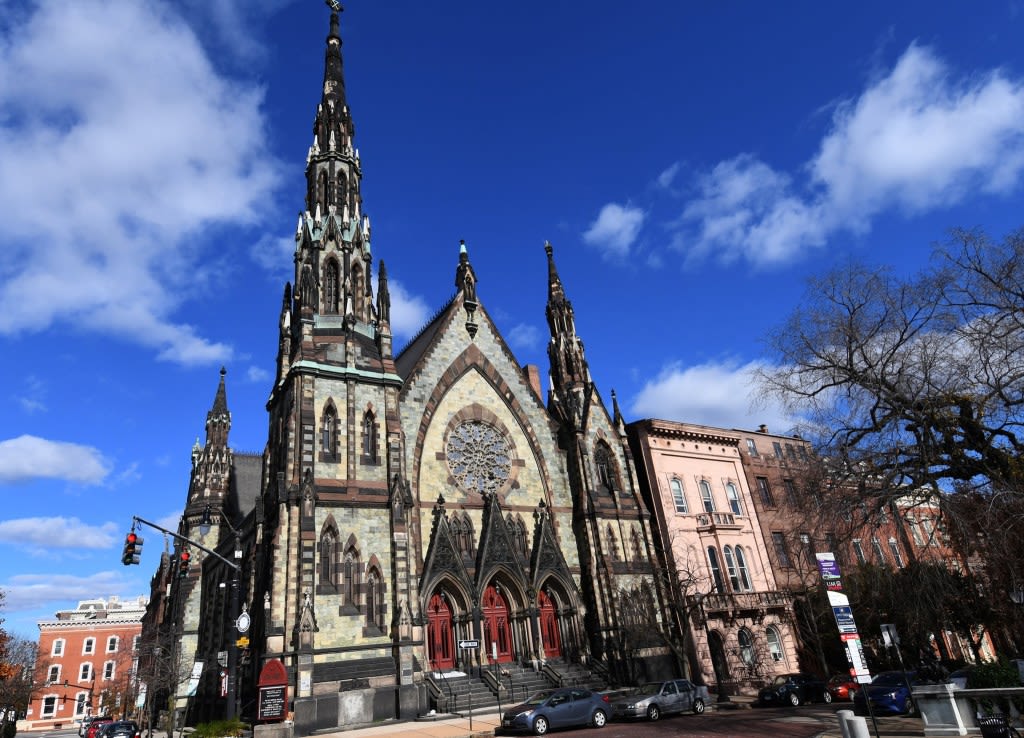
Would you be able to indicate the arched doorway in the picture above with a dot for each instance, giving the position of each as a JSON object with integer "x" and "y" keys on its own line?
{"x": 717, "y": 648}
{"x": 549, "y": 634}
{"x": 497, "y": 629}
{"x": 440, "y": 639}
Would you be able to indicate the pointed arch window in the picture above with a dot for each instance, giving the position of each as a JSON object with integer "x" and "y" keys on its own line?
{"x": 613, "y": 545}
{"x": 332, "y": 282}
{"x": 350, "y": 578}
{"x": 375, "y": 599}
{"x": 706, "y": 496}
{"x": 638, "y": 551}
{"x": 357, "y": 291}
{"x": 328, "y": 551}
{"x": 329, "y": 432}
{"x": 746, "y": 641}
{"x": 716, "y": 569}
{"x": 517, "y": 532}
{"x": 462, "y": 532}
{"x": 321, "y": 195}
{"x": 369, "y": 437}
{"x": 607, "y": 473}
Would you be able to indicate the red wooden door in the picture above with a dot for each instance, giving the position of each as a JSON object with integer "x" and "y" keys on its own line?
{"x": 497, "y": 629}
{"x": 440, "y": 639}
{"x": 549, "y": 627}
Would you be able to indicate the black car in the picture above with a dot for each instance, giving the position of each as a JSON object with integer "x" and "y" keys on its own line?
{"x": 119, "y": 729}
{"x": 794, "y": 689}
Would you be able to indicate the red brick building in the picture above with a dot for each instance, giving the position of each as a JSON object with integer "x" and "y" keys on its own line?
{"x": 87, "y": 663}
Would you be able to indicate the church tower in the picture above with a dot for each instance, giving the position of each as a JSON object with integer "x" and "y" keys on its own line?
{"x": 610, "y": 520}
{"x": 334, "y": 562}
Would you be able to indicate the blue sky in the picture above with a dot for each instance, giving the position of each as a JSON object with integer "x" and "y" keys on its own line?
{"x": 691, "y": 163}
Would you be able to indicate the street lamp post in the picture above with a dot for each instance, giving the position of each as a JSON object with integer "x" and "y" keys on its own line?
{"x": 233, "y": 613}
{"x": 722, "y": 696}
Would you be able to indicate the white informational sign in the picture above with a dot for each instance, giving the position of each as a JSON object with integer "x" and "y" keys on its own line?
{"x": 193, "y": 680}
{"x": 828, "y": 567}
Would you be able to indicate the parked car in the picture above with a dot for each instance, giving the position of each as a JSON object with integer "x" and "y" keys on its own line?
{"x": 119, "y": 729}
{"x": 83, "y": 727}
{"x": 889, "y": 693}
{"x": 654, "y": 699}
{"x": 842, "y": 686}
{"x": 558, "y": 708}
{"x": 794, "y": 689}
{"x": 95, "y": 724}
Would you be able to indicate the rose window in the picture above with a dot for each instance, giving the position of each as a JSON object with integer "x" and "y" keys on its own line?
{"x": 479, "y": 457}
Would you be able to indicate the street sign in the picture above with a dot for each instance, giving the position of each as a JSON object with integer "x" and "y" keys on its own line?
{"x": 474, "y": 643}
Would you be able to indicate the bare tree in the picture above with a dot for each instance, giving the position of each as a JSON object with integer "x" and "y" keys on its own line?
{"x": 916, "y": 381}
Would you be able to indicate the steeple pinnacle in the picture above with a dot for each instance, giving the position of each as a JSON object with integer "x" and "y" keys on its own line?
{"x": 568, "y": 364}
{"x": 334, "y": 77}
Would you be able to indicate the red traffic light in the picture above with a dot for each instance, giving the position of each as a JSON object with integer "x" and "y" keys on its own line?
{"x": 131, "y": 538}
{"x": 185, "y": 556}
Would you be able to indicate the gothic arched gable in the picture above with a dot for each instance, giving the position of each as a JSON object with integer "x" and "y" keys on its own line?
{"x": 443, "y": 559}
{"x": 497, "y": 550}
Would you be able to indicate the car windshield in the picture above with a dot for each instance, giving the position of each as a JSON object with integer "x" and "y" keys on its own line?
{"x": 538, "y": 697}
{"x": 780, "y": 680}
{"x": 889, "y": 679}
{"x": 649, "y": 688}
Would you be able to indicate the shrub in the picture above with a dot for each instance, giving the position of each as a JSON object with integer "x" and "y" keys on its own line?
{"x": 993, "y": 674}
{"x": 220, "y": 728}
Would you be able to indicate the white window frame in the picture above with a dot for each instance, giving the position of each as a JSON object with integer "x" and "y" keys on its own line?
{"x": 732, "y": 494}
{"x": 109, "y": 670}
{"x": 706, "y": 495}
{"x": 51, "y": 701}
{"x": 57, "y": 649}
{"x": 113, "y": 643}
{"x": 774, "y": 639}
{"x": 730, "y": 567}
{"x": 88, "y": 646}
{"x": 81, "y": 706}
{"x": 897, "y": 555}
{"x": 85, "y": 672}
{"x": 741, "y": 566}
{"x": 858, "y": 551}
{"x": 752, "y": 448}
{"x": 678, "y": 495}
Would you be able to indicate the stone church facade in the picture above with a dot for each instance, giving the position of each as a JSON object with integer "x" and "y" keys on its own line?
{"x": 405, "y": 503}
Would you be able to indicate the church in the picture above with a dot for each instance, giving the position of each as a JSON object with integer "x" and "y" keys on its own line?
{"x": 416, "y": 518}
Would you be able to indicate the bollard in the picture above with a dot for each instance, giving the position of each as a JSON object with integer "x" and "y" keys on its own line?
{"x": 844, "y": 719}
{"x": 858, "y": 727}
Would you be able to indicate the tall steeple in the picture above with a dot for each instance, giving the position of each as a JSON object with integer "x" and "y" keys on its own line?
{"x": 570, "y": 377}
{"x": 211, "y": 464}
{"x": 333, "y": 261}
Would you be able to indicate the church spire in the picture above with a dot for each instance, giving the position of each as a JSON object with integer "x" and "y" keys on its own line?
{"x": 334, "y": 77}
{"x": 218, "y": 420}
{"x": 569, "y": 374}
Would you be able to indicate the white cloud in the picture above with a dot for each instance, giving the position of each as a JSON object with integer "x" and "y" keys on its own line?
{"x": 667, "y": 177}
{"x": 615, "y": 229}
{"x": 32, "y": 400}
{"x": 913, "y": 140}
{"x": 524, "y": 336}
{"x": 58, "y": 591}
{"x": 409, "y": 312}
{"x": 131, "y": 135}
{"x": 257, "y": 374}
{"x": 57, "y": 532}
{"x": 29, "y": 457}
{"x": 715, "y": 394}
{"x": 274, "y": 253}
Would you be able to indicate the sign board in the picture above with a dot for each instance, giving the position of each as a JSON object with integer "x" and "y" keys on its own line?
{"x": 193, "y": 680}
{"x": 889, "y": 635}
{"x": 273, "y": 703}
{"x": 273, "y": 696}
{"x": 242, "y": 642}
{"x": 469, "y": 644}
{"x": 831, "y": 577}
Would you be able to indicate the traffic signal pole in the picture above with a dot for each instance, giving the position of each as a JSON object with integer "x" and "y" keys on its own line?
{"x": 232, "y": 637}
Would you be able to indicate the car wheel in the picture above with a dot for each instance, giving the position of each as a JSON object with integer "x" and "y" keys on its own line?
{"x": 698, "y": 707}
{"x": 794, "y": 699}
{"x": 540, "y": 725}
{"x": 599, "y": 719}
{"x": 826, "y": 697}
{"x": 653, "y": 713}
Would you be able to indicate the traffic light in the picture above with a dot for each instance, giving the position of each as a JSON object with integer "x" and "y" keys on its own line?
{"x": 184, "y": 559}
{"x": 132, "y": 549}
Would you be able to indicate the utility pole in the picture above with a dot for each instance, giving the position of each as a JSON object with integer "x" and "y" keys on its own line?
{"x": 234, "y": 601}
